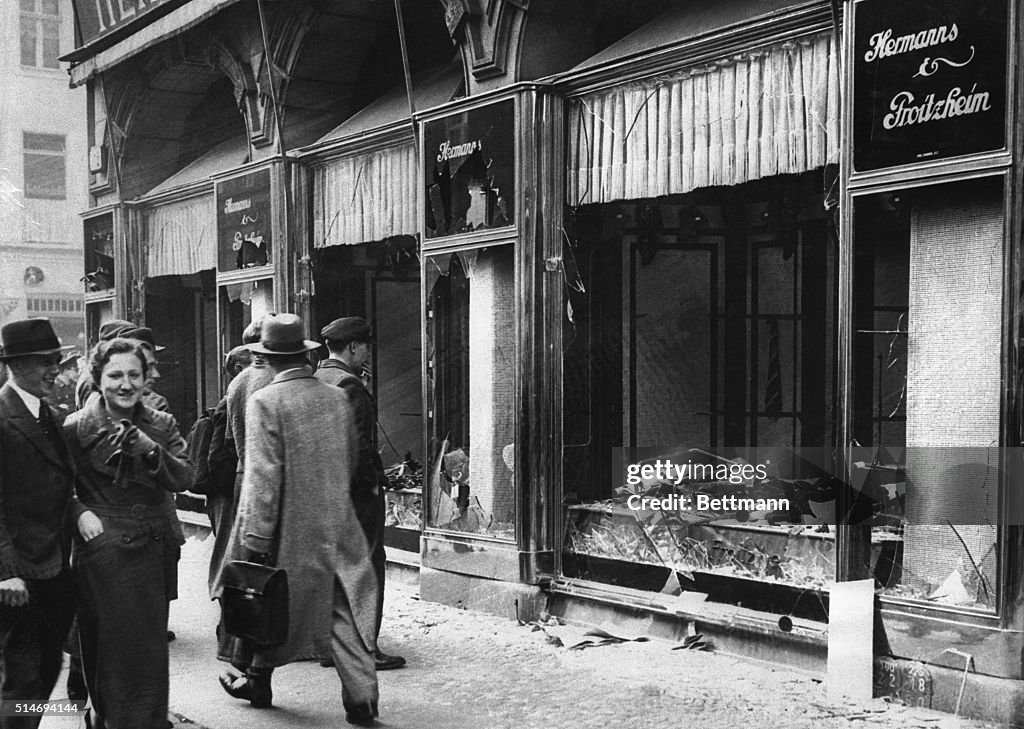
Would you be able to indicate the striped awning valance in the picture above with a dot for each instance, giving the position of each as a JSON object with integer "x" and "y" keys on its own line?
{"x": 181, "y": 236}
{"x": 365, "y": 197}
{"x": 771, "y": 111}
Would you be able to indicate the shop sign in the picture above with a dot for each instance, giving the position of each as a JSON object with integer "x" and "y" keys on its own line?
{"x": 243, "y": 221}
{"x": 469, "y": 170}
{"x": 929, "y": 80}
{"x": 97, "y": 18}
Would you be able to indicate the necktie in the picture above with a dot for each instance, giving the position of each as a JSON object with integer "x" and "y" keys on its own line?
{"x": 49, "y": 426}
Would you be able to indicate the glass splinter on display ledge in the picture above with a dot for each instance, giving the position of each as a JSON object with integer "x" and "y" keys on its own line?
{"x": 693, "y": 525}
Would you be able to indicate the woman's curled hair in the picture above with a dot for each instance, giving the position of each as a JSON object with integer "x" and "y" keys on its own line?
{"x": 103, "y": 351}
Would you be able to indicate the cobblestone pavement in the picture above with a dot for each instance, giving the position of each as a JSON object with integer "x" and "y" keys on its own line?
{"x": 473, "y": 671}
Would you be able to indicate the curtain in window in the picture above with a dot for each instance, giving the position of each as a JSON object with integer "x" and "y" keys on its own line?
{"x": 182, "y": 236}
{"x": 365, "y": 197}
{"x": 769, "y": 112}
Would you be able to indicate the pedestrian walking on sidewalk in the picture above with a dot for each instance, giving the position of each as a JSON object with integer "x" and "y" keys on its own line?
{"x": 129, "y": 458}
{"x": 349, "y": 342}
{"x": 229, "y": 451}
{"x": 36, "y": 478}
{"x": 218, "y": 475}
{"x": 295, "y": 512}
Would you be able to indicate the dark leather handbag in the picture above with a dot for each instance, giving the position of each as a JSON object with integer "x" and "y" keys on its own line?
{"x": 254, "y": 603}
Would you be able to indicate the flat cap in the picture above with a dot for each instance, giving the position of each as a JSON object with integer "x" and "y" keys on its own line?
{"x": 141, "y": 334}
{"x": 348, "y": 329}
{"x": 113, "y": 328}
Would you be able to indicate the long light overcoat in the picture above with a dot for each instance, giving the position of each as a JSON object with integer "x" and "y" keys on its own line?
{"x": 295, "y": 503}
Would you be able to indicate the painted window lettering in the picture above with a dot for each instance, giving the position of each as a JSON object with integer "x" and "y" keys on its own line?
{"x": 883, "y": 45}
{"x": 906, "y": 112}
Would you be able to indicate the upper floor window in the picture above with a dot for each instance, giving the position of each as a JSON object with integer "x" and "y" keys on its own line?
{"x": 45, "y": 175}
{"x": 40, "y": 33}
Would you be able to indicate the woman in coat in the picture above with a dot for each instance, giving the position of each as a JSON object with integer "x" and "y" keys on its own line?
{"x": 130, "y": 458}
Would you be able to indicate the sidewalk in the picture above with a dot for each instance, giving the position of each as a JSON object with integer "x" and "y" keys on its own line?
{"x": 473, "y": 671}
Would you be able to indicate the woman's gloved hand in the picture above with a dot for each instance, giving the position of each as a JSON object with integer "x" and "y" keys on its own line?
{"x": 131, "y": 440}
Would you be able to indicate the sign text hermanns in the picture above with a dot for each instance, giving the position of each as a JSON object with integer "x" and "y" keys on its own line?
{"x": 99, "y": 17}
{"x": 929, "y": 80}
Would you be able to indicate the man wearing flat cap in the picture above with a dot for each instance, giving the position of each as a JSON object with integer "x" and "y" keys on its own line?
{"x": 36, "y": 480}
{"x": 348, "y": 341}
{"x": 144, "y": 336}
{"x": 295, "y": 512}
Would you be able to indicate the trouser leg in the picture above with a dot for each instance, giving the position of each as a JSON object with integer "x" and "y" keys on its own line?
{"x": 31, "y": 641}
{"x": 353, "y": 660}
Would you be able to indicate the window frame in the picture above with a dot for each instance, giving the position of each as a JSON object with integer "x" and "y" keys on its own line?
{"x": 31, "y": 188}
{"x": 37, "y": 20}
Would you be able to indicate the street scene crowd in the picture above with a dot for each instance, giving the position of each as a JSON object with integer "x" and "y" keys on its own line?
{"x": 90, "y": 538}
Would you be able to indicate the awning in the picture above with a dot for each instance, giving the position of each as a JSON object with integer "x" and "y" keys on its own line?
{"x": 177, "y": 21}
{"x": 431, "y": 88}
{"x": 225, "y": 156}
{"x": 772, "y": 111}
{"x": 365, "y": 197}
{"x": 362, "y": 195}
{"x": 181, "y": 236}
{"x": 181, "y": 231}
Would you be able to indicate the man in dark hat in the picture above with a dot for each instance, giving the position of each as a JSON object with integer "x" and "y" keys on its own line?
{"x": 36, "y": 478}
{"x": 349, "y": 340}
{"x": 295, "y": 511}
{"x": 228, "y": 449}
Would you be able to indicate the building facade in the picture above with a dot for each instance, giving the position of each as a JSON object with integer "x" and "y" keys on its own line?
{"x": 702, "y": 312}
{"x": 42, "y": 148}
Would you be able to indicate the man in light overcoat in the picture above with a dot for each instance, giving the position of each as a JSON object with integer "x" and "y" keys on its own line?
{"x": 296, "y": 512}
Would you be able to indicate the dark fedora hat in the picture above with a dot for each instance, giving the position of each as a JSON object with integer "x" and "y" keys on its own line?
{"x": 28, "y": 336}
{"x": 348, "y": 329}
{"x": 282, "y": 334}
{"x": 113, "y": 328}
{"x": 141, "y": 334}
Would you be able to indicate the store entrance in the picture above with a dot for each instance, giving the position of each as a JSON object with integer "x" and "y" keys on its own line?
{"x": 181, "y": 311}
{"x": 381, "y": 282}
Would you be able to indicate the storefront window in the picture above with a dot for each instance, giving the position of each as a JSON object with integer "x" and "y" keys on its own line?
{"x": 469, "y": 170}
{"x": 380, "y": 281}
{"x": 471, "y": 364}
{"x": 698, "y": 327}
{"x": 240, "y": 304}
{"x": 928, "y": 293}
{"x": 99, "y": 254}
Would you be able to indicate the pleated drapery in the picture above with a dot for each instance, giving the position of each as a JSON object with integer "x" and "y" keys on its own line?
{"x": 768, "y": 112}
{"x": 182, "y": 236}
{"x": 365, "y": 197}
